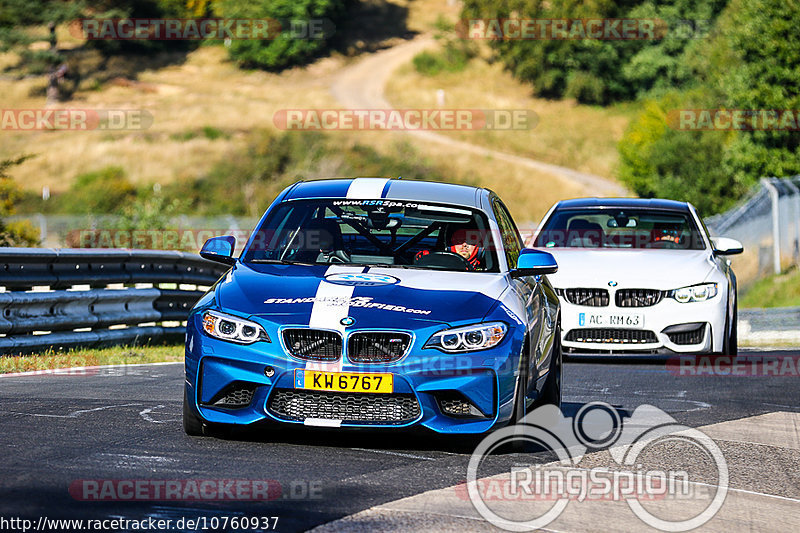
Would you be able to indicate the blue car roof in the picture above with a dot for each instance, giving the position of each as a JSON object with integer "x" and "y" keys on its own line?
{"x": 393, "y": 189}
{"x": 642, "y": 203}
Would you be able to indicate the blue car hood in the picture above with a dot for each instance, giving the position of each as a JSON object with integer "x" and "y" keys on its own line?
{"x": 289, "y": 294}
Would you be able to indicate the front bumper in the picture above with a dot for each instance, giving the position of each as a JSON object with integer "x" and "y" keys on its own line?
{"x": 667, "y": 327}
{"x": 236, "y": 384}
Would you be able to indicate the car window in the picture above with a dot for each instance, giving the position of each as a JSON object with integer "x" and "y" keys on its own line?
{"x": 512, "y": 242}
{"x": 375, "y": 233}
{"x": 620, "y": 228}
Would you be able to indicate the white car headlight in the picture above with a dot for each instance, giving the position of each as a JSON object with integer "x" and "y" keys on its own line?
{"x": 695, "y": 293}
{"x": 232, "y": 328}
{"x": 468, "y": 338}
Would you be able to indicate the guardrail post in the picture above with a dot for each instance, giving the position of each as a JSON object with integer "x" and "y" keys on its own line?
{"x": 776, "y": 223}
{"x": 796, "y": 248}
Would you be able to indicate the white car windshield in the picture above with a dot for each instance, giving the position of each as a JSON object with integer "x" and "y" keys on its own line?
{"x": 376, "y": 233}
{"x": 620, "y": 228}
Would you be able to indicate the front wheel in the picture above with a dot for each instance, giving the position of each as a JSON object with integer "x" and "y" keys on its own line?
{"x": 192, "y": 424}
{"x": 551, "y": 392}
{"x": 733, "y": 338}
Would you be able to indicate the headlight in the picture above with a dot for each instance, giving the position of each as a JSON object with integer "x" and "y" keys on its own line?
{"x": 233, "y": 329}
{"x": 695, "y": 293}
{"x": 468, "y": 338}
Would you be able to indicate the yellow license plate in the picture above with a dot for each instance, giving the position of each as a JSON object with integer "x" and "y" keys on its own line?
{"x": 343, "y": 381}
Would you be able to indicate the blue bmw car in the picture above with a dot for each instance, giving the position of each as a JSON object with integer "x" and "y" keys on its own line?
{"x": 375, "y": 303}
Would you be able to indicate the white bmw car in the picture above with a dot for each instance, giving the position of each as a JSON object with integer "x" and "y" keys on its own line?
{"x": 640, "y": 277}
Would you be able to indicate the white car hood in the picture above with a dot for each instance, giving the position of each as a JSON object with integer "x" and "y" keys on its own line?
{"x": 632, "y": 269}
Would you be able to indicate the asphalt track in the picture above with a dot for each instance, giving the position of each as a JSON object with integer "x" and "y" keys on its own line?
{"x": 124, "y": 424}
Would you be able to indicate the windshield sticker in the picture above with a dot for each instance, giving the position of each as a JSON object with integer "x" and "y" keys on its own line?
{"x": 356, "y": 301}
{"x": 381, "y": 203}
{"x": 361, "y": 280}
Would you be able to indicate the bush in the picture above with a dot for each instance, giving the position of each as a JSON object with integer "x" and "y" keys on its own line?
{"x": 103, "y": 191}
{"x": 428, "y": 63}
{"x": 453, "y": 57}
{"x": 20, "y": 233}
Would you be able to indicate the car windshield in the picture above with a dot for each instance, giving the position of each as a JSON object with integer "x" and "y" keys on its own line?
{"x": 375, "y": 233}
{"x": 620, "y": 228}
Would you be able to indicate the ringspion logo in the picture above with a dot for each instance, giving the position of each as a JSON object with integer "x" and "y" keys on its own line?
{"x": 648, "y": 432}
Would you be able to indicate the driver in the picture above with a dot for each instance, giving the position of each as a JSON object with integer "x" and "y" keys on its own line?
{"x": 465, "y": 243}
{"x": 666, "y": 233}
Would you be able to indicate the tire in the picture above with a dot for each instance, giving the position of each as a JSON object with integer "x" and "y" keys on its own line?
{"x": 520, "y": 409}
{"x": 551, "y": 392}
{"x": 730, "y": 342}
{"x": 733, "y": 339}
{"x": 192, "y": 424}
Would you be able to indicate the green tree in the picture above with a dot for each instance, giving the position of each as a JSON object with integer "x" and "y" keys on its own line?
{"x": 657, "y": 160}
{"x": 601, "y": 71}
{"x": 754, "y": 62}
{"x": 750, "y": 63}
{"x": 287, "y": 48}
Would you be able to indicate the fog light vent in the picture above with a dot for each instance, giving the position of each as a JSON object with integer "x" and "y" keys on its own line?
{"x": 457, "y": 406}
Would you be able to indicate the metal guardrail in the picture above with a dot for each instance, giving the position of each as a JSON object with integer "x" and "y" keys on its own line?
{"x": 67, "y": 298}
{"x": 771, "y": 325}
{"x": 767, "y": 222}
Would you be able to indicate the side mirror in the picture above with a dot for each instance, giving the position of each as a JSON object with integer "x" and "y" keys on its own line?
{"x": 219, "y": 249}
{"x": 534, "y": 263}
{"x": 726, "y": 246}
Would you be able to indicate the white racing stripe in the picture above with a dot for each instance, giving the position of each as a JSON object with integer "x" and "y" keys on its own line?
{"x": 331, "y": 305}
{"x": 366, "y": 188}
{"x": 322, "y": 422}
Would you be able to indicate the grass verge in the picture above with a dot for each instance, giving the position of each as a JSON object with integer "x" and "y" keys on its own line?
{"x": 118, "y": 355}
{"x": 781, "y": 290}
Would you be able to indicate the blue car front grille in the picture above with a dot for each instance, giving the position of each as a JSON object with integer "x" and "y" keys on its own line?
{"x": 391, "y": 409}
{"x": 313, "y": 344}
{"x": 377, "y": 346}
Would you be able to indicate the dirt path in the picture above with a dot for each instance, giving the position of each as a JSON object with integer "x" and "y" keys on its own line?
{"x": 361, "y": 86}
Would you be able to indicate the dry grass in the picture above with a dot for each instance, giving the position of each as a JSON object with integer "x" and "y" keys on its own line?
{"x": 527, "y": 193}
{"x": 121, "y": 355}
{"x": 423, "y": 14}
{"x": 576, "y": 136}
{"x": 206, "y": 90}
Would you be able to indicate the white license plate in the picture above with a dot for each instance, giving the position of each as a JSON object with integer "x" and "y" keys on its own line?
{"x": 610, "y": 320}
